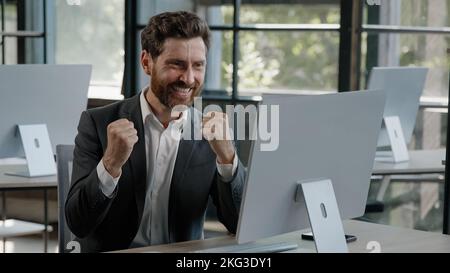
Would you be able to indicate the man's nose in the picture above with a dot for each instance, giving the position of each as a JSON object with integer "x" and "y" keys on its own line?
{"x": 188, "y": 76}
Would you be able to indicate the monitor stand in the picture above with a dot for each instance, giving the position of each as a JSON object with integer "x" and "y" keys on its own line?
{"x": 398, "y": 143}
{"x": 324, "y": 216}
{"x": 38, "y": 151}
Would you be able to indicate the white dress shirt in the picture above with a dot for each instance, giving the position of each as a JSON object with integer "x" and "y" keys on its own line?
{"x": 161, "y": 146}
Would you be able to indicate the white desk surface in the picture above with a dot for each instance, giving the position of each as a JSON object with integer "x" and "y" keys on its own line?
{"x": 421, "y": 162}
{"x": 390, "y": 239}
{"x": 12, "y": 182}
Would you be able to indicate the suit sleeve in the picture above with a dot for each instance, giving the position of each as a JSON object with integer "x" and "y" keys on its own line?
{"x": 86, "y": 205}
{"x": 227, "y": 197}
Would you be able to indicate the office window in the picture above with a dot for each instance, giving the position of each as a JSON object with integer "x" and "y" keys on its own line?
{"x": 422, "y": 38}
{"x": 23, "y": 34}
{"x": 220, "y": 58}
{"x": 9, "y": 24}
{"x": 290, "y": 12}
{"x": 92, "y": 32}
{"x": 283, "y": 46}
{"x": 288, "y": 62}
{"x": 418, "y": 13}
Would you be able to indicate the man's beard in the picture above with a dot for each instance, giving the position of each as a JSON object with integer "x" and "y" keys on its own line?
{"x": 164, "y": 91}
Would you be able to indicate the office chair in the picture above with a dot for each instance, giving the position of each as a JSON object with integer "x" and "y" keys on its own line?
{"x": 64, "y": 158}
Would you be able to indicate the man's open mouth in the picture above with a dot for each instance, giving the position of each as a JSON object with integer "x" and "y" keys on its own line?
{"x": 181, "y": 92}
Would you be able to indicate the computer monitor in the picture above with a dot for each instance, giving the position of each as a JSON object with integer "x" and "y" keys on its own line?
{"x": 323, "y": 136}
{"x": 403, "y": 87}
{"x": 54, "y": 95}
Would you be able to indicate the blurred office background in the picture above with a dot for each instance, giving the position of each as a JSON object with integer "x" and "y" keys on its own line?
{"x": 259, "y": 46}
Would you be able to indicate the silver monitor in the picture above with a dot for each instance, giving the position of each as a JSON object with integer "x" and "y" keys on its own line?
{"x": 324, "y": 136}
{"x": 403, "y": 87}
{"x": 54, "y": 95}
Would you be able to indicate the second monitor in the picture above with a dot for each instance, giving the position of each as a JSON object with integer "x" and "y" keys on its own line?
{"x": 403, "y": 87}
{"x": 45, "y": 102}
{"x": 321, "y": 137}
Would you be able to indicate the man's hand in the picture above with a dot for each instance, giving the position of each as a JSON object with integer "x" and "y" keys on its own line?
{"x": 121, "y": 139}
{"x": 217, "y": 132}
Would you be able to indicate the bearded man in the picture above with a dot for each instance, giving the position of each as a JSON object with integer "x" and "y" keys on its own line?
{"x": 139, "y": 177}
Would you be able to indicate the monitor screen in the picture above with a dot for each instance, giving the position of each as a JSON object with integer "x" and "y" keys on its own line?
{"x": 323, "y": 136}
{"x": 403, "y": 87}
{"x": 54, "y": 95}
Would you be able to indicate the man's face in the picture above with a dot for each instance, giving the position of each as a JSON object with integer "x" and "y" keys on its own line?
{"x": 178, "y": 73}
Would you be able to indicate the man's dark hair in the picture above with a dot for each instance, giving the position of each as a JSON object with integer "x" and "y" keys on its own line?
{"x": 180, "y": 24}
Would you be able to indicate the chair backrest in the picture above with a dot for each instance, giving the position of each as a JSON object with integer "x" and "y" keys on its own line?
{"x": 64, "y": 159}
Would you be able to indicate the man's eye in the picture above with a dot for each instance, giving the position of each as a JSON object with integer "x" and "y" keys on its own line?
{"x": 177, "y": 64}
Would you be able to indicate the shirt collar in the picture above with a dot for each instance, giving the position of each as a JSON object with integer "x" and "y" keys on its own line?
{"x": 148, "y": 113}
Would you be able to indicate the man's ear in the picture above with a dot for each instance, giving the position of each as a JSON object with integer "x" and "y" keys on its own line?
{"x": 146, "y": 62}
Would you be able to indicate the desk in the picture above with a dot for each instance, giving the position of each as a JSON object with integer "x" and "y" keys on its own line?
{"x": 421, "y": 162}
{"x": 11, "y": 228}
{"x": 391, "y": 240}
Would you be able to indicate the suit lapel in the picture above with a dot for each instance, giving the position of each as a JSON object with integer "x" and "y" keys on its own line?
{"x": 138, "y": 158}
{"x": 185, "y": 151}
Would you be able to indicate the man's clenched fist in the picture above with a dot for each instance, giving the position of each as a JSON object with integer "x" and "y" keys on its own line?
{"x": 121, "y": 139}
{"x": 217, "y": 132}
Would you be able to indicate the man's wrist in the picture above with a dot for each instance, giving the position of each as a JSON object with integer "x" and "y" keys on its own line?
{"x": 113, "y": 171}
{"x": 226, "y": 159}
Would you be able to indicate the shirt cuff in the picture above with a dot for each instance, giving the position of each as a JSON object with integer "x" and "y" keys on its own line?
{"x": 227, "y": 171}
{"x": 108, "y": 184}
